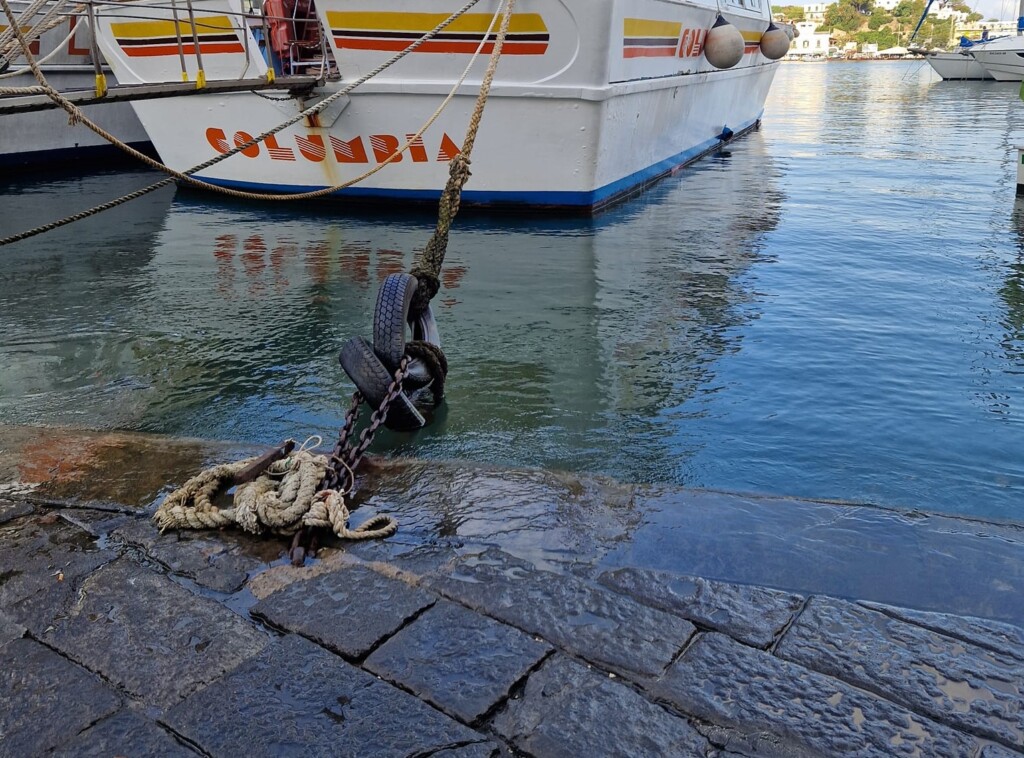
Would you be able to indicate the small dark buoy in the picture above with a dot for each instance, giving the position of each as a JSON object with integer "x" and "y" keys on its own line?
{"x": 726, "y": 134}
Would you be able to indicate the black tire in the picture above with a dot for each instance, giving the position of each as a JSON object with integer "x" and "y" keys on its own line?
{"x": 390, "y": 317}
{"x": 371, "y": 378}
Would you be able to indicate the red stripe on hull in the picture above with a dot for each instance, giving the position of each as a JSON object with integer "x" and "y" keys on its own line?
{"x": 435, "y": 46}
{"x": 187, "y": 49}
{"x": 649, "y": 52}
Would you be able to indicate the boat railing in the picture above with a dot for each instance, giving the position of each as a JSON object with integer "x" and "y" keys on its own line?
{"x": 161, "y": 44}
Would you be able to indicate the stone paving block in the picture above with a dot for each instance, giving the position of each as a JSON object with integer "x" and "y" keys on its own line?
{"x": 41, "y": 566}
{"x": 349, "y": 609}
{"x": 150, "y": 635}
{"x": 12, "y": 510}
{"x": 568, "y": 709}
{"x": 458, "y": 660}
{"x": 602, "y": 626}
{"x": 124, "y": 734}
{"x": 9, "y": 629}
{"x": 754, "y": 615}
{"x": 997, "y": 751}
{"x": 216, "y": 560}
{"x": 764, "y": 706}
{"x": 478, "y": 750}
{"x": 296, "y": 698}
{"x": 46, "y": 698}
{"x": 966, "y": 686}
{"x": 96, "y": 522}
{"x": 995, "y": 635}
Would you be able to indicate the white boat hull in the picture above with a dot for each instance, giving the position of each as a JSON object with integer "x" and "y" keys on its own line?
{"x": 44, "y": 136}
{"x": 1002, "y": 58}
{"x": 566, "y": 124}
{"x": 587, "y": 154}
{"x": 957, "y": 66}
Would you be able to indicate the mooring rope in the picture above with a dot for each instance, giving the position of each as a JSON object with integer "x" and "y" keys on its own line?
{"x": 427, "y": 265}
{"x": 57, "y": 49}
{"x": 76, "y": 116}
{"x": 282, "y": 500}
{"x": 8, "y": 39}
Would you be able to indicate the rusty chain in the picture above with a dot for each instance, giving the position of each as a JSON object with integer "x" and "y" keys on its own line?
{"x": 340, "y": 474}
{"x": 345, "y": 457}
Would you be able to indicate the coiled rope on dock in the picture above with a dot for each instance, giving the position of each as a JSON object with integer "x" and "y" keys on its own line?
{"x": 76, "y": 116}
{"x": 282, "y": 499}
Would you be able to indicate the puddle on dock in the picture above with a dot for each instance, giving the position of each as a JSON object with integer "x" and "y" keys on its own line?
{"x": 560, "y": 522}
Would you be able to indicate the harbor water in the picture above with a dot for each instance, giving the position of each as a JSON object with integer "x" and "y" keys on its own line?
{"x": 832, "y": 308}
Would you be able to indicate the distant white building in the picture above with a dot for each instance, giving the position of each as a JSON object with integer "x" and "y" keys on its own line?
{"x": 975, "y": 28}
{"x": 809, "y": 41}
{"x": 943, "y": 11}
{"x": 816, "y": 12}
{"x": 869, "y": 48}
{"x": 887, "y": 5}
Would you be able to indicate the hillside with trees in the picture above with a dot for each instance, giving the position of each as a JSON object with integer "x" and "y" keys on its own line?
{"x": 860, "y": 21}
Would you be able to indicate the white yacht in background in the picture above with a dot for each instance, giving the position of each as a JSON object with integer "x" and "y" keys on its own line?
{"x": 1003, "y": 58}
{"x": 958, "y": 65}
{"x": 66, "y": 52}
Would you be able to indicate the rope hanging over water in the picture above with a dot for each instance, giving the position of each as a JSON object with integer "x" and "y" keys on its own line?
{"x": 427, "y": 266}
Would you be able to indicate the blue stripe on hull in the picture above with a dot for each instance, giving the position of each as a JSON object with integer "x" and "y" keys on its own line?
{"x": 582, "y": 201}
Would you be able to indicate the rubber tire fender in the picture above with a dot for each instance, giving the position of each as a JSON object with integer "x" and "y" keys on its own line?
{"x": 390, "y": 317}
{"x": 372, "y": 379}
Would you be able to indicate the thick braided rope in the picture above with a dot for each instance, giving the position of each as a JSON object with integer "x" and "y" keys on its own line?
{"x": 191, "y": 505}
{"x": 16, "y": 91}
{"x": 53, "y": 18}
{"x": 52, "y": 54}
{"x": 427, "y": 266}
{"x": 282, "y": 500}
{"x": 436, "y": 362}
{"x": 76, "y": 116}
{"x": 8, "y": 39}
{"x": 329, "y": 511}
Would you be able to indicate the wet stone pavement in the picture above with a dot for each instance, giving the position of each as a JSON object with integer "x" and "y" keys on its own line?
{"x": 117, "y": 640}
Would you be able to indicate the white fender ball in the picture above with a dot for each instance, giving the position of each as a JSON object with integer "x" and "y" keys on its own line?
{"x": 724, "y": 45}
{"x": 774, "y": 43}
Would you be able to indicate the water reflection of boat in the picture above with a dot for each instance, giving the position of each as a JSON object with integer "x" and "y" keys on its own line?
{"x": 591, "y": 101}
{"x": 45, "y": 136}
{"x": 67, "y": 356}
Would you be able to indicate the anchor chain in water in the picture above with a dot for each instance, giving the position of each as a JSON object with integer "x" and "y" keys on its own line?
{"x": 404, "y": 299}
